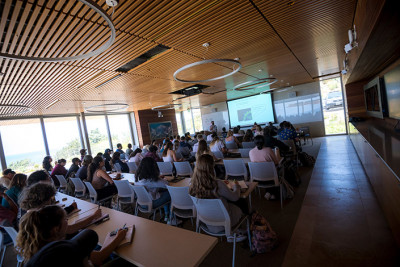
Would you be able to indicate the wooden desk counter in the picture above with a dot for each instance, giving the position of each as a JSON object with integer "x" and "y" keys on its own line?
{"x": 84, "y": 206}
{"x": 157, "y": 244}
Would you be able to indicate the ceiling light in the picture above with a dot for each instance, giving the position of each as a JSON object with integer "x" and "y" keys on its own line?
{"x": 255, "y": 84}
{"x": 21, "y": 109}
{"x": 52, "y": 104}
{"x": 108, "y": 81}
{"x": 107, "y": 107}
{"x": 206, "y": 61}
{"x": 103, "y": 48}
{"x": 166, "y": 107}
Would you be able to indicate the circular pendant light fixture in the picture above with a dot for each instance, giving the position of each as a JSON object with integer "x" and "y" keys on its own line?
{"x": 255, "y": 84}
{"x": 101, "y": 49}
{"x": 107, "y": 107}
{"x": 207, "y": 61}
{"x": 166, "y": 107}
{"x": 18, "y": 109}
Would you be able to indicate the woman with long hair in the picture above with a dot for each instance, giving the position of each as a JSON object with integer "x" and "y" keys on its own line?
{"x": 169, "y": 154}
{"x": 261, "y": 153}
{"x": 203, "y": 149}
{"x": 248, "y": 137}
{"x": 46, "y": 164}
{"x": 42, "y": 226}
{"x": 107, "y": 159}
{"x": 230, "y": 138}
{"x": 258, "y": 130}
{"x": 148, "y": 175}
{"x": 217, "y": 145}
{"x": 100, "y": 180}
{"x": 18, "y": 183}
{"x": 205, "y": 185}
{"x": 136, "y": 156}
{"x": 59, "y": 169}
{"x": 116, "y": 159}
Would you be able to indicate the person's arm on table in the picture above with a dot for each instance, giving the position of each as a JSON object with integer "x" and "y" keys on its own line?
{"x": 75, "y": 227}
{"x": 97, "y": 257}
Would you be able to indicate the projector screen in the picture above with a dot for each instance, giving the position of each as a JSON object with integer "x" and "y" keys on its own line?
{"x": 246, "y": 111}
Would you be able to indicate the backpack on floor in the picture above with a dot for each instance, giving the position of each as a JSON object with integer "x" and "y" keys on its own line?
{"x": 306, "y": 160}
{"x": 264, "y": 239}
{"x": 287, "y": 189}
{"x": 291, "y": 175}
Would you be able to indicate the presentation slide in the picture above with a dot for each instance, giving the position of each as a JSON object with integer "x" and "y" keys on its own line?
{"x": 246, "y": 111}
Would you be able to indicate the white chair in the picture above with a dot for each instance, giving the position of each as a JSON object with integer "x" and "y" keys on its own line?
{"x": 126, "y": 195}
{"x": 13, "y": 234}
{"x": 244, "y": 152}
{"x": 231, "y": 145}
{"x": 93, "y": 194}
{"x": 80, "y": 189}
{"x": 235, "y": 167}
{"x": 132, "y": 167}
{"x": 166, "y": 168}
{"x": 218, "y": 154}
{"x": 248, "y": 145}
{"x": 3, "y": 247}
{"x": 181, "y": 203}
{"x": 265, "y": 172}
{"x": 63, "y": 183}
{"x": 212, "y": 212}
{"x": 183, "y": 168}
{"x": 144, "y": 203}
{"x": 117, "y": 167}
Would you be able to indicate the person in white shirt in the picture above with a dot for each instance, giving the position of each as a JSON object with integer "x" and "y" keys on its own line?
{"x": 258, "y": 131}
{"x": 213, "y": 127}
{"x": 217, "y": 145}
{"x": 196, "y": 146}
{"x": 209, "y": 137}
{"x": 136, "y": 156}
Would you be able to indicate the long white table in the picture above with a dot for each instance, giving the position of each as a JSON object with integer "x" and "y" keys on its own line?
{"x": 154, "y": 243}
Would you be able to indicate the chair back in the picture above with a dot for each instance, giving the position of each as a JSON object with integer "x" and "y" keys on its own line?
{"x": 244, "y": 152}
{"x": 263, "y": 171}
{"x": 248, "y": 145}
{"x": 117, "y": 167}
{"x": 143, "y": 197}
{"x": 193, "y": 154}
{"x": 291, "y": 145}
{"x": 231, "y": 145}
{"x": 305, "y": 130}
{"x": 218, "y": 154}
{"x": 165, "y": 168}
{"x": 124, "y": 189}
{"x": 79, "y": 186}
{"x": 183, "y": 168}
{"x": 235, "y": 167}
{"x": 178, "y": 155}
{"x": 61, "y": 179}
{"x": 92, "y": 192}
{"x": 132, "y": 167}
{"x": 12, "y": 233}
{"x": 180, "y": 198}
{"x": 212, "y": 212}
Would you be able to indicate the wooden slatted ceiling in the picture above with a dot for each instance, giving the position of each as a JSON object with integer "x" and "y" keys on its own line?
{"x": 314, "y": 31}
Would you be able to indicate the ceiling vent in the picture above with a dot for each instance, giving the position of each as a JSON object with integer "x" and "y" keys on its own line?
{"x": 191, "y": 90}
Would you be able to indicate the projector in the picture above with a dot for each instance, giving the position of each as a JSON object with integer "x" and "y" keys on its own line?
{"x": 344, "y": 72}
{"x": 347, "y": 48}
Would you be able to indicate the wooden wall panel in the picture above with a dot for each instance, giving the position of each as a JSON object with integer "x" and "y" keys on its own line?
{"x": 144, "y": 117}
{"x": 355, "y": 99}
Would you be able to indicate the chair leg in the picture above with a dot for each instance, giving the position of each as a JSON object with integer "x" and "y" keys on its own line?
{"x": 154, "y": 215}
{"x": 2, "y": 255}
{"x": 250, "y": 206}
{"x": 234, "y": 249}
{"x": 280, "y": 188}
{"x": 248, "y": 233}
{"x": 191, "y": 219}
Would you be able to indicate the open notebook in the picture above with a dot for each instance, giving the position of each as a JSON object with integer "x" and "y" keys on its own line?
{"x": 127, "y": 240}
{"x": 103, "y": 217}
{"x": 230, "y": 184}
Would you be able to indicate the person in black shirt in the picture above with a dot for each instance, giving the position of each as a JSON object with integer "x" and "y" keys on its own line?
{"x": 74, "y": 167}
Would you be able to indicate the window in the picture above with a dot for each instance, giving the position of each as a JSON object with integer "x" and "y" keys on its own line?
{"x": 179, "y": 123}
{"x": 97, "y": 131}
{"x": 198, "y": 123}
{"x": 120, "y": 132}
{"x": 187, "y": 116}
{"x": 63, "y": 138}
{"x": 23, "y": 144}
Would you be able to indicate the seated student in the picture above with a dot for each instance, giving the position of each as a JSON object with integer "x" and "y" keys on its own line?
{"x": 38, "y": 176}
{"x": 195, "y": 146}
{"x": 254, "y": 126}
{"x": 236, "y": 132}
{"x": 136, "y": 156}
{"x": 8, "y": 214}
{"x": 248, "y": 137}
{"x": 205, "y": 185}
{"x": 116, "y": 159}
{"x": 169, "y": 154}
{"x": 120, "y": 151}
{"x": 203, "y": 149}
{"x": 5, "y": 180}
{"x": 261, "y": 153}
{"x": 272, "y": 142}
{"x": 17, "y": 184}
{"x": 107, "y": 159}
{"x": 217, "y": 145}
{"x": 59, "y": 169}
{"x": 148, "y": 175}
{"x": 288, "y": 132}
{"x": 184, "y": 143}
{"x": 100, "y": 180}
{"x": 145, "y": 149}
{"x": 46, "y": 164}
{"x": 47, "y": 224}
{"x": 82, "y": 171}
{"x": 258, "y": 131}
{"x": 272, "y": 129}
{"x": 76, "y": 162}
{"x": 153, "y": 154}
{"x": 129, "y": 150}
{"x": 42, "y": 194}
{"x": 230, "y": 138}
{"x": 182, "y": 148}
{"x": 224, "y": 132}
{"x": 209, "y": 137}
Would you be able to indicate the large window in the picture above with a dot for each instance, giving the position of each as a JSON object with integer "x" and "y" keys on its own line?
{"x": 187, "y": 116}
{"x": 97, "y": 131}
{"x": 179, "y": 123}
{"x": 23, "y": 144}
{"x": 120, "y": 132}
{"x": 198, "y": 123}
{"x": 63, "y": 138}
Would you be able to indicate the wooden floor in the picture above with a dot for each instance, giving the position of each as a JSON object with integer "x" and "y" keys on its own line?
{"x": 340, "y": 222}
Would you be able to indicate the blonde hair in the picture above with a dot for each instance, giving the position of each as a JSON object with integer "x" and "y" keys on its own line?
{"x": 230, "y": 133}
{"x": 202, "y": 148}
{"x": 215, "y": 139}
{"x": 36, "y": 229}
{"x": 204, "y": 183}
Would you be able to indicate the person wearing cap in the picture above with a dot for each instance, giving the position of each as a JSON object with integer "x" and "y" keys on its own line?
{"x": 40, "y": 240}
{"x": 82, "y": 152}
{"x": 5, "y": 180}
{"x": 76, "y": 162}
{"x": 107, "y": 159}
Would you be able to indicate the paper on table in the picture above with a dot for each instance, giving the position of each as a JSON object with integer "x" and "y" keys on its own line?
{"x": 73, "y": 212}
{"x": 127, "y": 240}
{"x": 104, "y": 216}
{"x": 230, "y": 184}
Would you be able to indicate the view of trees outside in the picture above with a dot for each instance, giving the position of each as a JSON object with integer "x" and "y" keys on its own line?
{"x": 179, "y": 123}
{"x": 120, "y": 132}
{"x": 187, "y": 115}
{"x": 63, "y": 138}
{"x": 23, "y": 144}
{"x": 332, "y": 102}
{"x": 97, "y": 130}
{"x": 198, "y": 123}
